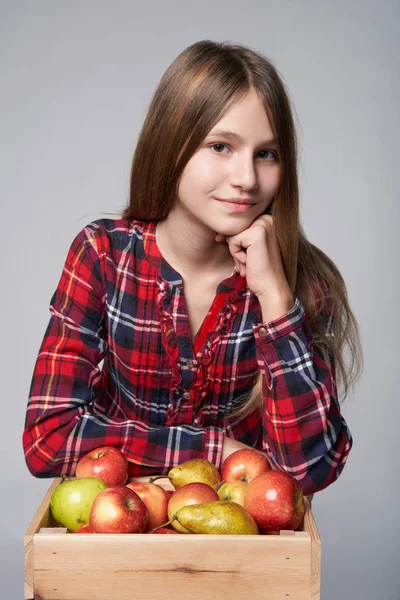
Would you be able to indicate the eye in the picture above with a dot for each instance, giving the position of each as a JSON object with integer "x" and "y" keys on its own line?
{"x": 274, "y": 154}
{"x": 220, "y": 145}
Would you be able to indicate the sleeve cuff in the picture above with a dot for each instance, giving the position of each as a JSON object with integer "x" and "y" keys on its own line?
{"x": 287, "y": 323}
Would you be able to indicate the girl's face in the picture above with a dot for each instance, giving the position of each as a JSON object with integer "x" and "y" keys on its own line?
{"x": 225, "y": 167}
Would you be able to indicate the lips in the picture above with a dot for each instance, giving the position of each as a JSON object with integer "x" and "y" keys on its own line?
{"x": 236, "y": 201}
{"x": 238, "y": 207}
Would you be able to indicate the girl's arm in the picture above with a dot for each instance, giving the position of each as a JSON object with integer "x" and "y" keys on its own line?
{"x": 61, "y": 425}
{"x": 303, "y": 431}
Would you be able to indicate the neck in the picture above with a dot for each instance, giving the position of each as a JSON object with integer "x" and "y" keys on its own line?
{"x": 191, "y": 248}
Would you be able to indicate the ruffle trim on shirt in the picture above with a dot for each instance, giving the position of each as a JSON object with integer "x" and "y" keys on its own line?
{"x": 204, "y": 357}
{"x": 171, "y": 348}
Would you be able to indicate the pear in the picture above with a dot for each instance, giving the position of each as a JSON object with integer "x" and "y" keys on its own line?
{"x": 195, "y": 470}
{"x": 220, "y": 517}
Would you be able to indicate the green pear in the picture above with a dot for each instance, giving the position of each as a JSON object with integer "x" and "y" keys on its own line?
{"x": 220, "y": 517}
{"x": 195, "y": 470}
{"x": 72, "y": 500}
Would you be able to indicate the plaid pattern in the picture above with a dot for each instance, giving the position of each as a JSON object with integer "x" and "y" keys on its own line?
{"x": 157, "y": 398}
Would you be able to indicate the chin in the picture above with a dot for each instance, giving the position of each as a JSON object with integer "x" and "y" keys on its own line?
{"x": 235, "y": 228}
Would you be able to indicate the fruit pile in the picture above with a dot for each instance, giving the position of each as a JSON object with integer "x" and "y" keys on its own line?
{"x": 245, "y": 497}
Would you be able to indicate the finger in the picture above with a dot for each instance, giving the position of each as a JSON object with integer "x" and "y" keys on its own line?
{"x": 234, "y": 246}
{"x": 237, "y": 250}
{"x": 240, "y": 257}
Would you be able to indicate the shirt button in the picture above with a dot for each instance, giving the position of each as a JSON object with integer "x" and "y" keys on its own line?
{"x": 262, "y": 332}
{"x": 186, "y": 395}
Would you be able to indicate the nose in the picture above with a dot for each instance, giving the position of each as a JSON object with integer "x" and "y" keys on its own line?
{"x": 243, "y": 172}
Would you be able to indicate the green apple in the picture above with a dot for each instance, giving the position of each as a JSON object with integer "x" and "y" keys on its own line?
{"x": 72, "y": 500}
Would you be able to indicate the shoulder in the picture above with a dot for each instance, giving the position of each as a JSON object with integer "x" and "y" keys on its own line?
{"x": 108, "y": 235}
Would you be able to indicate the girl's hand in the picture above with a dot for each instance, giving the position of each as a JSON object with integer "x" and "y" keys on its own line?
{"x": 257, "y": 257}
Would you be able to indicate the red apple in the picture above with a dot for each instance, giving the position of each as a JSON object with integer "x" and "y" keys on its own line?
{"x": 106, "y": 463}
{"x": 164, "y": 530}
{"x": 275, "y": 501}
{"x": 119, "y": 510}
{"x": 245, "y": 465}
{"x": 191, "y": 493}
{"x": 84, "y": 529}
{"x": 155, "y": 499}
{"x": 233, "y": 491}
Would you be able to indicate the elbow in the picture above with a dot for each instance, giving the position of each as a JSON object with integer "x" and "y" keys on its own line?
{"x": 36, "y": 470}
{"x": 326, "y": 470}
{"x": 319, "y": 470}
{"x": 316, "y": 480}
{"x": 39, "y": 464}
{"x": 33, "y": 470}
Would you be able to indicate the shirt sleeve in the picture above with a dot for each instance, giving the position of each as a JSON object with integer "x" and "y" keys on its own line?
{"x": 61, "y": 425}
{"x": 304, "y": 432}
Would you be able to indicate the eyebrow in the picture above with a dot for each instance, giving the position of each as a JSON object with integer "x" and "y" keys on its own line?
{"x": 238, "y": 138}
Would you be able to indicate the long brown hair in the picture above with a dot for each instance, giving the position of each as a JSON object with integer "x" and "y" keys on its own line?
{"x": 195, "y": 92}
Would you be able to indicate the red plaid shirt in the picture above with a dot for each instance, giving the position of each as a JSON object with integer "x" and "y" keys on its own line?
{"x": 159, "y": 397}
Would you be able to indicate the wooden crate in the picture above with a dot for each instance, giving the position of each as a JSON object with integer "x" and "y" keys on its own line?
{"x": 62, "y": 566}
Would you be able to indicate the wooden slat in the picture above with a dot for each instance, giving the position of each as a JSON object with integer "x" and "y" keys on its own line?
{"x": 315, "y": 570}
{"x": 311, "y": 527}
{"x": 52, "y": 530}
{"x": 42, "y": 518}
{"x": 112, "y": 566}
{"x": 156, "y": 585}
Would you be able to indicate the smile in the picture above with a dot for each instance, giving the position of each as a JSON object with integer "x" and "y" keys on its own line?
{"x": 236, "y": 206}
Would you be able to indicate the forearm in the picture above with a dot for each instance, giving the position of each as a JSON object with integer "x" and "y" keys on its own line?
{"x": 66, "y": 417}
{"x": 275, "y": 304}
{"x": 303, "y": 430}
{"x": 54, "y": 444}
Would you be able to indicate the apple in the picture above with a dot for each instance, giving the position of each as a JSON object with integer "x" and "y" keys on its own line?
{"x": 155, "y": 499}
{"x": 164, "y": 530}
{"x": 244, "y": 465}
{"x": 71, "y": 501}
{"x": 232, "y": 491}
{"x": 84, "y": 529}
{"x": 107, "y": 463}
{"x": 275, "y": 501}
{"x": 118, "y": 509}
{"x": 191, "y": 493}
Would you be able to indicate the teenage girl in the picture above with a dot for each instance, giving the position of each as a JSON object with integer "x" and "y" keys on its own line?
{"x": 220, "y": 326}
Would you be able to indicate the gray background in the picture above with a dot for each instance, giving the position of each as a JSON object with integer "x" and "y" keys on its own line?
{"x": 76, "y": 79}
